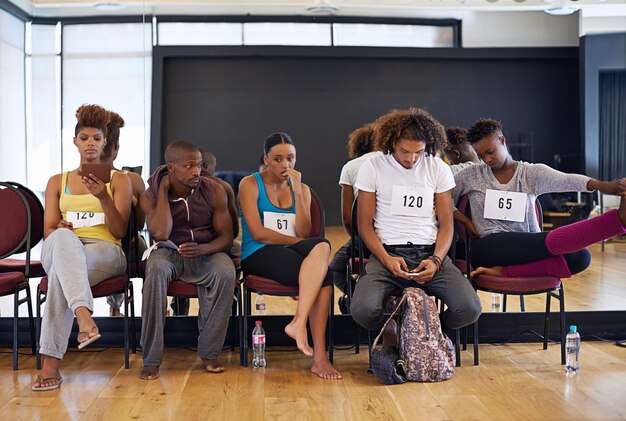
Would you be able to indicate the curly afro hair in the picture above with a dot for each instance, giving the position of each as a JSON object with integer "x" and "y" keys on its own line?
{"x": 90, "y": 115}
{"x": 361, "y": 141}
{"x": 483, "y": 128}
{"x": 116, "y": 122}
{"x": 456, "y": 136}
{"x": 413, "y": 123}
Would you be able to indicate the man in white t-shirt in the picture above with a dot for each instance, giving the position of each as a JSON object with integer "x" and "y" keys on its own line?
{"x": 405, "y": 220}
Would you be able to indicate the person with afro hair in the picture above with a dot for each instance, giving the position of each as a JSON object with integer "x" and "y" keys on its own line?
{"x": 361, "y": 147}
{"x": 502, "y": 193}
{"x": 109, "y": 154}
{"x": 84, "y": 222}
{"x": 405, "y": 220}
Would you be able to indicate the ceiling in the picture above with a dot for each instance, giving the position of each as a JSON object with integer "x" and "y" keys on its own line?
{"x": 381, "y": 8}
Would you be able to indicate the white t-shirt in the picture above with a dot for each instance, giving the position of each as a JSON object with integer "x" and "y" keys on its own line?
{"x": 380, "y": 174}
{"x": 351, "y": 169}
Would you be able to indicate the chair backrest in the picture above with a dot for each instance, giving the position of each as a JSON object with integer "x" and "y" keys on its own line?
{"x": 318, "y": 217}
{"x": 36, "y": 215}
{"x": 15, "y": 221}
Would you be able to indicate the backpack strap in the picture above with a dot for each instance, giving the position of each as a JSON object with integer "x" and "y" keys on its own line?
{"x": 402, "y": 300}
{"x": 425, "y": 306}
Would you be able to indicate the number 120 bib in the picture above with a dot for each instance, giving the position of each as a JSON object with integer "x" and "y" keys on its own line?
{"x": 412, "y": 201}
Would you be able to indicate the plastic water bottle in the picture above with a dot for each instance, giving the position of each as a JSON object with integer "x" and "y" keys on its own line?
{"x": 572, "y": 349}
{"x": 258, "y": 346}
{"x": 495, "y": 302}
{"x": 259, "y": 305}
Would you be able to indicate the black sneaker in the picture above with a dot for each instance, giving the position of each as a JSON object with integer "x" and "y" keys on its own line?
{"x": 343, "y": 304}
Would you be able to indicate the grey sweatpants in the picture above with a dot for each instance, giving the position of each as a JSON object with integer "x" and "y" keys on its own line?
{"x": 449, "y": 285}
{"x": 73, "y": 265}
{"x": 215, "y": 277}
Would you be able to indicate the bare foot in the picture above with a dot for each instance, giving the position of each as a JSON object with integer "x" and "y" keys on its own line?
{"x": 213, "y": 366}
{"x": 299, "y": 334}
{"x": 325, "y": 370}
{"x": 494, "y": 271}
{"x": 149, "y": 372}
{"x": 115, "y": 312}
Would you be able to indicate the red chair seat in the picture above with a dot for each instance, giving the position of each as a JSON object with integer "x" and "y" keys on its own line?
{"x": 357, "y": 265}
{"x": 517, "y": 285}
{"x": 269, "y": 286}
{"x": 181, "y": 288}
{"x": 9, "y": 281}
{"x": 104, "y": 288}
{"x": 18, "y": 265}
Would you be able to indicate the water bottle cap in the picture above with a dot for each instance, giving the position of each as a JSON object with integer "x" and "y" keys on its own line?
{"x": 572, "y": 328}
{"x": 257, "y": 323}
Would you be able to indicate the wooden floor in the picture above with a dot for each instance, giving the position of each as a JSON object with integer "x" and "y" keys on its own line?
{"x": 513, "y": 382}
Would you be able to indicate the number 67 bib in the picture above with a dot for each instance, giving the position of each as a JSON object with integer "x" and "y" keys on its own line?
{"x": 505, "y": 205}
{"x": 84, "y": 219}
{"x": 412, "y": 201}
{"x": 284, "y": 223}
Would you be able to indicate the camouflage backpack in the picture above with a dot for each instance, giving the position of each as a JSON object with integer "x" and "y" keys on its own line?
{"x": 428, "y": 353}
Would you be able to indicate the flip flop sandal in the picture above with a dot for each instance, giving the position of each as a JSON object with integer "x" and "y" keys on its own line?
{"x": 41, "y": 380}
{"x": 86, "y": 342}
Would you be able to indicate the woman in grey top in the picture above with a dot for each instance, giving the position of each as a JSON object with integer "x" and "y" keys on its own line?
{"x": 502, "y": 194}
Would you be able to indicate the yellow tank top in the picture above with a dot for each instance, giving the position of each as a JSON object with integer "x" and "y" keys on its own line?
{"x": 86, "y": 203}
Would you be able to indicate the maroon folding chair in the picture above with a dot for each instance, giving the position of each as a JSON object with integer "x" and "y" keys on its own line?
{"x": 30, "y": 268}
{"x": 120, "y": 284}
{"x": 266, "y": 286}
{"x": 550, "y": 285}
{"x": 16, "y": 236}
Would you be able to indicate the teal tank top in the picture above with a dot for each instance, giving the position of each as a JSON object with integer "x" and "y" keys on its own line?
{"x": 248, "y": 244}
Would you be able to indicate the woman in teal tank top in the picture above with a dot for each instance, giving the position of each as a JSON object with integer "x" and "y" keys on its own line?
{"x": 276, "y": 222}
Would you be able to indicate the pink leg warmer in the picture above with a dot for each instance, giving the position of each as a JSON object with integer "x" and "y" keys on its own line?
{"x": 552, "y": 266}
{"x": 577, "y": 236}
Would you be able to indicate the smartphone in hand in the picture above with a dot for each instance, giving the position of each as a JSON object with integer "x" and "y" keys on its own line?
{"x": 102, "y": 171}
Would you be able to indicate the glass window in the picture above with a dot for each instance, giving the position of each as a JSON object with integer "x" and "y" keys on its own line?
{"x": 187, "y": 33}
{"x": 270, "y": 33}
{"x": 380, "y": 35}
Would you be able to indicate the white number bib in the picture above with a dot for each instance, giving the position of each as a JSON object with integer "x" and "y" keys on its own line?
{"x": 412, "y": 201}
{"x": 284, "y": 223}
{"x": 84, "y": 219}
{"x": 505, "y": 205}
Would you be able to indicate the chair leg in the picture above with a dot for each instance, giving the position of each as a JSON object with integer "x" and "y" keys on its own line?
{"x": 240, "y": 323}
{"x": 246, "y": 311}
{"x": 233, "y": 319}
{"x": 38, "y": 335}
{"x": 562, "y": 324}
{"x": 15, "y": 331}
{"x": 31, "y": 322}
{"x": 133, "y": 324}
{"x": 457, "y": 346}
{"x": 522, "y": 305}
{"x": 126, "y": 329}
{"x": 331, "y": 314}
{"x": 370, "y": 340}
{"x": 504, "y": 301}
{"x": 476, "y": 342}
{"x": 546, "y": 323}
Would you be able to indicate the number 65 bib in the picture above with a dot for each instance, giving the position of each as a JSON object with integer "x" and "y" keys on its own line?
{"x": 412, "y": 201}
{"x": 505, "y": 205}
{"x": 84, "y": 219}
{"x": 284, "y": 223}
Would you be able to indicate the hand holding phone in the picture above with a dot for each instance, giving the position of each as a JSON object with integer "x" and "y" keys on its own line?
{"x": 102, "y": 171}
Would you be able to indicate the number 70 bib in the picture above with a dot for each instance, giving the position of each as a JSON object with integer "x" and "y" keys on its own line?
{"x": 412, "y": 201}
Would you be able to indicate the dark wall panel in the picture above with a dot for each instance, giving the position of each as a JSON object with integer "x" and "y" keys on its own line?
{"x": 230, "y": 104}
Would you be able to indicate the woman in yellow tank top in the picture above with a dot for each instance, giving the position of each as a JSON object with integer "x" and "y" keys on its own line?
{"x": 84, "y": 221}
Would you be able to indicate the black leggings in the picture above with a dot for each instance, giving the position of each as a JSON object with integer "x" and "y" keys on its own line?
{"x": 282, "y": 263}
{"x": 513, "y": 248}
